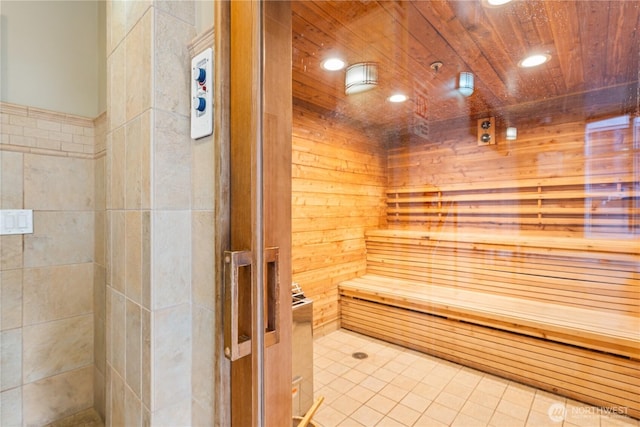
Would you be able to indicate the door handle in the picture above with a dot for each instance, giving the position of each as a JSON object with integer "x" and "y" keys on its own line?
{"x": 237, "y": 319}
{"x": 272, "y": 300}
{"x": 235, "y": 345}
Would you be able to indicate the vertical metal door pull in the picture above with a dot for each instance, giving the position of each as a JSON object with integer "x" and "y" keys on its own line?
{"x": 237, "y": 346}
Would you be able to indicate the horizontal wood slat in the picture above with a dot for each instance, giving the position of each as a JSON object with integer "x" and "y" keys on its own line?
{"x": 583, "y": 274}
{"x": 599, "y": 330}
{"x": 520, "y": 183}
{"x": 593, "y": 377}
{"x": 598, "y": 205}
{"x": 559, "y": 313}
{"x": 338, "y": 193}
{"x": 536, "y": 243}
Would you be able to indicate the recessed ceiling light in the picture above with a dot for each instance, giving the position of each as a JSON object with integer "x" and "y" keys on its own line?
{"x": 534, "y": 60}
{"x": 333, "y": 64}
{"x": 496, "y": 3}
{"x": 398, "y": 97}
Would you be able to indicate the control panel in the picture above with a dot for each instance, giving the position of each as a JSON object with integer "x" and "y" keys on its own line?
{"x": 202, "y": 94}
{"x": 486, "y": 131}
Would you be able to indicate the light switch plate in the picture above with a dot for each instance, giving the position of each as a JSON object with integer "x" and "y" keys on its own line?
{"x": 16, "y": 221}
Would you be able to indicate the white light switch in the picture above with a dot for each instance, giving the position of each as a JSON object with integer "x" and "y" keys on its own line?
{"x": 202, "y": 94}
{"x": 16, "y": 221}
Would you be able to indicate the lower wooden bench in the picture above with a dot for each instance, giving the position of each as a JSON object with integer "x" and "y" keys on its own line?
{"x": 584, "y": 354}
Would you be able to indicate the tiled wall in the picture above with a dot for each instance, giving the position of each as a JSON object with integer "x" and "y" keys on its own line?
{"x": 100, "y": 267}
{"x": 111, "y": 302}
{"x": 159, "y": 209}
{"x": 203, "y": 296}
{"x": 46, "y": 278}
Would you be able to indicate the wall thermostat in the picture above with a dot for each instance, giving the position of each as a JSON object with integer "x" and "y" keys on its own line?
{"x": 202, "y": 94}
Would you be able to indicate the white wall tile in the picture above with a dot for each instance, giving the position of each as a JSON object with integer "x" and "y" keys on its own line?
{"x": 177, "y": 414}
{"x": 52, "y": 293}
{"x": 59, "y": 238}
{"x": 172, "y": 38}
{"x": 11, "y": 408}
{"x": 171, "y": 258}
{"x": 44, "y": 402}
{"x": 58, "y": 346}
{"x": 11, "y": 180}
{"x": 10, "y": 359}
{"x": 117, "y": 333}
{"x": 172, "y": 161}
{"x": 172, "y": 347}
{"x": 10, "y": 299}
{"x": 134, "y": 348}
{"x": 58, "y": 183}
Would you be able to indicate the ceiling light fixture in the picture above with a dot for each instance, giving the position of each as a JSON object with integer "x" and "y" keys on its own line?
{"x": 496, "y": 3}
{"x": 333, "y": 64}
{"x": 465, "y": 83}
{"x": 361, "y": 77}
{"x": 512, "y": 133}
{"x": 534, "y": 60}
{"x": 398, "y": 97}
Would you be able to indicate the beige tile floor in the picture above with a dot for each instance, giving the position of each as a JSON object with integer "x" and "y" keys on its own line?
{"x": 86, "y": 418}
{"x": 395, "y": 386}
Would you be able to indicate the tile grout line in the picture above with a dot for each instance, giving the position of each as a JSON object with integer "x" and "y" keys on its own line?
{"x": 392, "y": 362}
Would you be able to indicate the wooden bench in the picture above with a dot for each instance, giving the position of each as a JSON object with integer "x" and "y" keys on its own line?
{"x": 559, "y": 313}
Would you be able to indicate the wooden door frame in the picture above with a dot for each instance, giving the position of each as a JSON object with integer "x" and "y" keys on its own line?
{"x": 247, "y": 203}
{"x": 237, "y": 99}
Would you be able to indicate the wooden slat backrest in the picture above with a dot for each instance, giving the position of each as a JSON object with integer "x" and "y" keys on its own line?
{"x": 599, "y": 274}
{"x": 599, "y": 205}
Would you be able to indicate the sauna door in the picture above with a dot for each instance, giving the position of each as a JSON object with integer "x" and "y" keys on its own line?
{"x": 260, "y": 214}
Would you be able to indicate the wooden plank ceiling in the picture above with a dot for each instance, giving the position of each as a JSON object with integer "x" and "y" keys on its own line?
{"x": 593, "y": 71}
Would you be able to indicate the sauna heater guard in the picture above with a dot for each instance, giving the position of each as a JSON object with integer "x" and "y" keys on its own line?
{"x": 302, "y": 347}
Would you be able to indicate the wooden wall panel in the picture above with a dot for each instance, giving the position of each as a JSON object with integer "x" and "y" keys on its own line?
{"x": 341, "y": 171}
{"x": 338, "y": 192}
{"x": 452, "y": 156}
{"x": 592, "y": 166}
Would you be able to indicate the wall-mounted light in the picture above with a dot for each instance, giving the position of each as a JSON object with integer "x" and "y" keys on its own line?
{"x": 361, "y": 77}
{"x": 465, "y": 83}
{"x": 512, "y": 133}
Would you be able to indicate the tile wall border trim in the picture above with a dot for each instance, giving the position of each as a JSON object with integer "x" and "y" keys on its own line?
{"x": 62, "y": 118}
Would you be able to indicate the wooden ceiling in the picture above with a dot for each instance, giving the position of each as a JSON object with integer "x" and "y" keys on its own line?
{"x": 594, "y": 66}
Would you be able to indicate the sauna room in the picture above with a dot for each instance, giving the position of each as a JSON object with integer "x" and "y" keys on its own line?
{"x": 452, "y": 186}
{"x": 465, "y": 189}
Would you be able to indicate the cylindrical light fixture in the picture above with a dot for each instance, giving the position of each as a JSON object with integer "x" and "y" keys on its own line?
{"x": 465, "y": 83}
{"x": 361, "y": 77}
{"x": 512, "y": 133}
